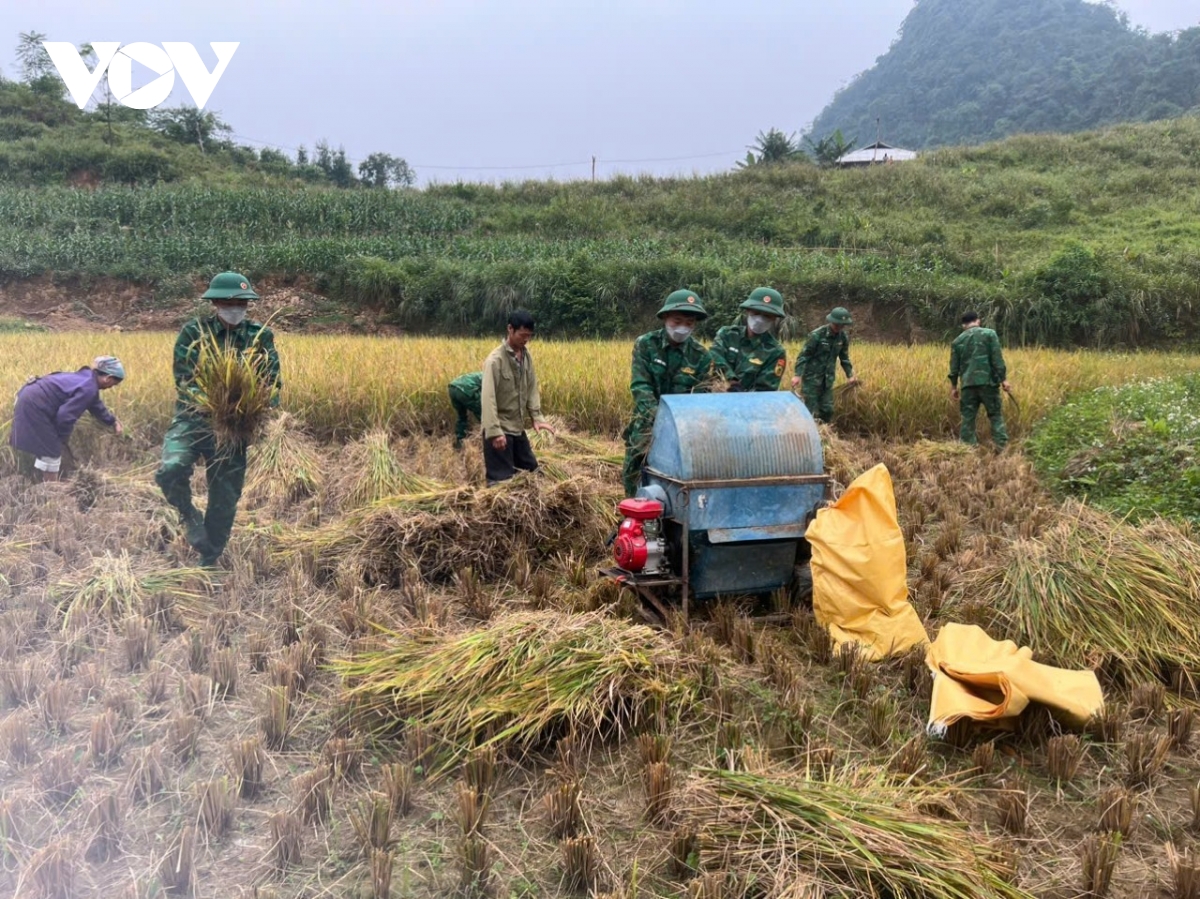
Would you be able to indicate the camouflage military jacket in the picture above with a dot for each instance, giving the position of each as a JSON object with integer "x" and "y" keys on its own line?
{"x": 818, "y": 360}
{"x": 469, "y": 385}
{"x": 244, "y": 336}
{"x": 662, "y": 368}
{"x": 975, "y": 358}
{"x": 755, "y": 362}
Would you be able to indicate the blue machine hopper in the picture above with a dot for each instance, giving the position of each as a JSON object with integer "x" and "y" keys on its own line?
{"x": 740, "y": 476}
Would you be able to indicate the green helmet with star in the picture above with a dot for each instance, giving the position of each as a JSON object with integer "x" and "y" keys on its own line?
{"x": 764, "y": 300}
{"x": 685, "y": 301}
{"x": 229, "y": 286}
{"x": 839, "y": 316}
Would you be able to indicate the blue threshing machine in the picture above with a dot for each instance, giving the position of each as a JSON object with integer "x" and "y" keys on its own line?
{"x": 730, "y": 484}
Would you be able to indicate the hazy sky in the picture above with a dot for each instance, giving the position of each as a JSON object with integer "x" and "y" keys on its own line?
{"x": 512, "y": 89}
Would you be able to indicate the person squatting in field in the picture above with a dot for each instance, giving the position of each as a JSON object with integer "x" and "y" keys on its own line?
{"x": 190, "y": 435}
{"x": 665, "y": 362}
{"x": 977, "y": 364}
{"x": 749, "y": 356}
{"x": 49, "y": 406}
{"x": 508, "y": 395}
{"x": 466, "y": 398}
{"x": 816, "y": 366}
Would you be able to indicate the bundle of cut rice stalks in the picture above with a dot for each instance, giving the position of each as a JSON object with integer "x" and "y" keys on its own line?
{"x": 115, "y": 587}
{"x": 283, "y": 467}
{"x": 444, "y": 531}
{"x": 564, "y": 453}
{"x": 857, "y": 834}
{"x": 369, "y": 471}
{"x": 1096, "y": 592}
{"x": 519, "y": 681}
{"x": 233, "y": 390}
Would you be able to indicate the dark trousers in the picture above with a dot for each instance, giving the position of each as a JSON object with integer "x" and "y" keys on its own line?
{"x": 501, "y": 465}
{"x": 186, "y": 441}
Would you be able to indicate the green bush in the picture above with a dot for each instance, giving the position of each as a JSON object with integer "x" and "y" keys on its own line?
{"x": 1131, "y": 449}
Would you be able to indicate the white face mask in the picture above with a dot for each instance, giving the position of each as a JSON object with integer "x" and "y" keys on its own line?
{"x": 758, "y": 324}
{"x": 680, "y": 333}
{"x": 232, "y": 315}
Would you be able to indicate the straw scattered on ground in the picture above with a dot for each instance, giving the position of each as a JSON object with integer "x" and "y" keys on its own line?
{"x": 524, "y": 678}
{"x": 855, "y": 834}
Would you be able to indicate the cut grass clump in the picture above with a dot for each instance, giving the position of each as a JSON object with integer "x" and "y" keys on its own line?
{"x": 371, "y": 471}
{"x": 442, "y": 532}
{"x": 115, "y": 587}
{"x": 518, "y": 682}
{"x": 1136, "y": 585}
{"x": 283, "y": 467}
{"x": 856, "y": 833}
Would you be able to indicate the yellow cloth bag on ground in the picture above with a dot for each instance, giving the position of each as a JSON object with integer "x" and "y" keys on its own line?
{"x": 983, "y": 679}
{"x": 860, "y": 586}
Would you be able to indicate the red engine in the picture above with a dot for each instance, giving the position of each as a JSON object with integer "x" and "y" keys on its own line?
{"x": 639, "y": 546}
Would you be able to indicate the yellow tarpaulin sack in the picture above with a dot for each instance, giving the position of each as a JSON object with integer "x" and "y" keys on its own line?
{"x": 860, "y": 586}
{"x": 983, "y": 679}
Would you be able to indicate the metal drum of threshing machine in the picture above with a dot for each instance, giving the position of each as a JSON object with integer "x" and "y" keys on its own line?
{"x": 740, "y": 476}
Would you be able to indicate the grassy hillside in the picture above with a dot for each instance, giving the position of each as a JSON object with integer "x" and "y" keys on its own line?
{"x": 1063, "y": 240}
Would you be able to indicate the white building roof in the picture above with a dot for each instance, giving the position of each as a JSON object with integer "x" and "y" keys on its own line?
{"x": 877, "y": 152}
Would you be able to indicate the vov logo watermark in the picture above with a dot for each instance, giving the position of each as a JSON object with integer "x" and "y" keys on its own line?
{"x": 164, "y": 61}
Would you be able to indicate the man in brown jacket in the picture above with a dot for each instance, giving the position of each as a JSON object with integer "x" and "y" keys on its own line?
{"x": 510, "y": 394}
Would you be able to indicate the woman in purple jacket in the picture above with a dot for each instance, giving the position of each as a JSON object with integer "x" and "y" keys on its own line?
{"x": 49, "y": 406}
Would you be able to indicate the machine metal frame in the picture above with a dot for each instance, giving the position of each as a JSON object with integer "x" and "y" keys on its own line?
{"x": 642, "y": 584}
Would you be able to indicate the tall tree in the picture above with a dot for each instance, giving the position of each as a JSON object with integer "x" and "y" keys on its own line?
{"x": 829, "y": 149}
{"x": 385, "y": 170}
{"x": 35, "y": 62}
{"x": 771, "y": 147}
{"x": 190, "y": 125}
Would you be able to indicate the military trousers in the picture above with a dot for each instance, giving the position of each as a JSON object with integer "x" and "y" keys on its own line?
{"x": 818, "y": 397}
{"x": 637, "y": 444}
{"x": 463, "y": 405}
{"x": 969, "y": 401}
{"x": 187, "y": 440}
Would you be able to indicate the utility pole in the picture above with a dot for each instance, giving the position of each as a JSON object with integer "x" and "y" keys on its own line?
{"x": 593, "y": 169}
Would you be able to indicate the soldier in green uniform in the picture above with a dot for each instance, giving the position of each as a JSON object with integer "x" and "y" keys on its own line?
{"x": 816, "y": 366}
{"x": 977, "y": 363}
{"x": 190, "y": 435}
{"x": 665, "y": 362}
{"x": 749, "y": 356}
{"x": 465, "y": 392}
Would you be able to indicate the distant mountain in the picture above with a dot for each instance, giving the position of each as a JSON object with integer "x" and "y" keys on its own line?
{"x": 970, "y": 71}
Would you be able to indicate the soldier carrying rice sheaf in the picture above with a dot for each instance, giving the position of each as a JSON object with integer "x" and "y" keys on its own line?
{"x": 665, "y": 362}
{"x": 195, "y": 430}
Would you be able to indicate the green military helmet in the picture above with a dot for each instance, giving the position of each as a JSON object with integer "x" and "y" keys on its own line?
{"x": 229, "y": 286}
{"x": 685, "y": 301}
{"x": 839, "y": 316}
{"x": 765, "y": 300}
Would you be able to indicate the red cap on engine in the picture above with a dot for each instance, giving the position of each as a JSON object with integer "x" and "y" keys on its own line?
{"x": 640, "y": 509}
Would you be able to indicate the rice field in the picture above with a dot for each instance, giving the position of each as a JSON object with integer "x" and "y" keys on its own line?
{"x": 342, "y": 387}
{"x": 401, "y": 684}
